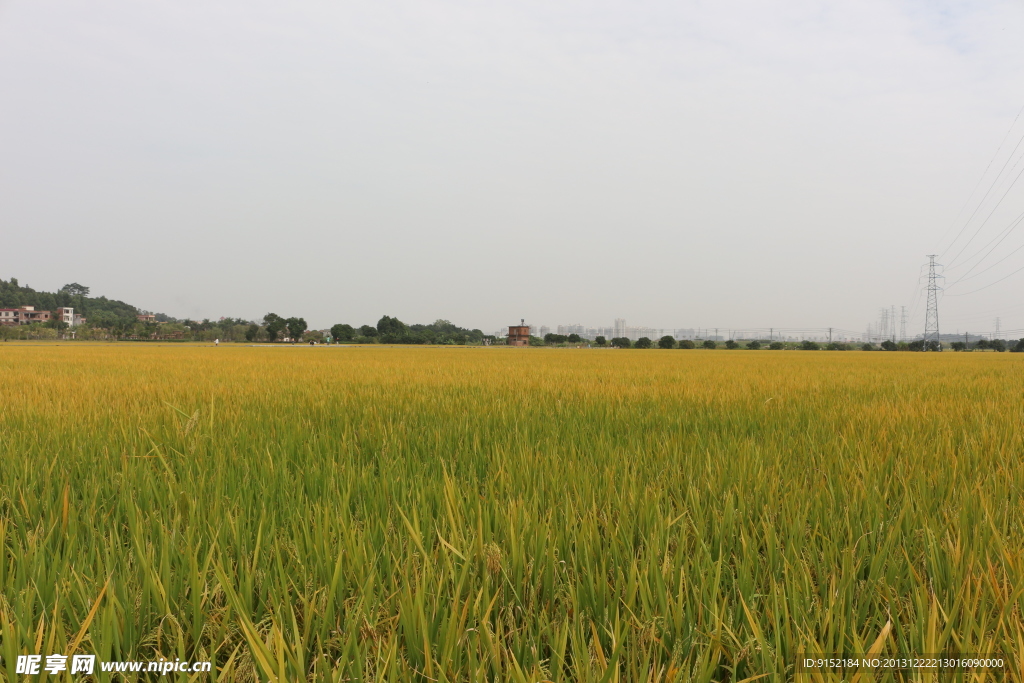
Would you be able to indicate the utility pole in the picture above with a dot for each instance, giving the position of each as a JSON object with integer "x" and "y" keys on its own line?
{"x": 931, "y": 316}
{"x": 903, "y": 323}
{"x": 892, "y": 317}
{"x": 830, "y": 335}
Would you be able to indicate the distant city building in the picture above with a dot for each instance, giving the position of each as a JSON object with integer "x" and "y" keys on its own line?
{"x": 544, "y": 329}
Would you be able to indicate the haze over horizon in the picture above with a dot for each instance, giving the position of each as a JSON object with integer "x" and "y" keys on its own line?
{"x": 674, "y": 164}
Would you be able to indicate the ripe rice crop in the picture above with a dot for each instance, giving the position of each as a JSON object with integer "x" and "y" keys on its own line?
{"x": 456, "y": 514}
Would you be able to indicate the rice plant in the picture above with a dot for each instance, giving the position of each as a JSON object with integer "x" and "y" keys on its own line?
{"x": 466, "y": 514}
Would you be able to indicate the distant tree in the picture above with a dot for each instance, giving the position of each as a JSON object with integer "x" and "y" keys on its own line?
{"x": 622, "y": 342}
{"x": 933, "y": 345}
{"x": 918, "y": 345}
{"x": 687, "y": 344}
{"x": 889, "y": 345}
{"x": 832, "y": 346}
{"x": 956, "y": 346}
{"x": 392, "y": 328}
{"x": 709, "y": 344}
{"x": 867, "y": 346}
{"x": 982, "y": 344}
{"x": 274, "y": 323}
{"x": 342, "y": 332}
{"x": 1018, "y": 347}
{"x": 754, "y": 345}
{"x": 251, "y": 332}
{"x": 600, "y": 341}
{"x": 574, "y": 338}
{"x": 998, "y": 345}
{"x": 75, "y": 289}
{"x": 643, "y": 343}
{"x": 731, "y": 344}
{"x": 552, "y": 338}
{"x": 368, "y": 331}
{"x": 776, "y": 346}
{"x": 667, "y": 342}
{"x": 313, "y": 335}
{"x": 296, "y": 326}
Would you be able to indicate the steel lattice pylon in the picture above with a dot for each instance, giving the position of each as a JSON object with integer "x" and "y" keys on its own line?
{"x": 931, "y": 316}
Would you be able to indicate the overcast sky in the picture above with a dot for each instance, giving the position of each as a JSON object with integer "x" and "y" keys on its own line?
{"x": 677, "y": 164}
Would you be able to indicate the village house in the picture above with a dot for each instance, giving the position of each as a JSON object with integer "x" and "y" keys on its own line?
{"x": 25, "y": 315}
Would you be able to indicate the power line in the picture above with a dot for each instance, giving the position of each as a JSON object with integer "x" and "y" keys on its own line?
{"x": 985, "y": 222}
{"x": 978, "y": 184}
{"x": 990, "y": 284}
{"x": 1006, "y": 233}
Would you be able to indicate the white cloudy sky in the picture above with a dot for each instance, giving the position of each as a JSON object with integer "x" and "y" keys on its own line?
{"x": 677, "y": 164}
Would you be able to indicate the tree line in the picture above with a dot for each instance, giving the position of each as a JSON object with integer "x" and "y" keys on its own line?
{"x": 669, "y": 342}
{"x": 391, "y": 330}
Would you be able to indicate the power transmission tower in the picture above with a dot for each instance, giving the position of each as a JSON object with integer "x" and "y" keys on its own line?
{"x": 997, "y": 335}
{"x": 931, "y": 316}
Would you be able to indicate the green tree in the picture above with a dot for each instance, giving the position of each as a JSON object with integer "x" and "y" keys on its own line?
{"x": 687, "y": 344}
{"x": 622, "y": 342}
{"x": 296, "y": 326}
{"x": 808, "y": 345}
{"x": 754, "y": 345}
{"x": 391, "y": 330}
{"x": 730, "y": 344}
{"x": 956, "y": 346}
{"x": 867, "y": 346}
{"x": 251, "y": 332}
{"x": 643, "y": 343}
{"x": 574, "y": 338}
{"x": 983, "y": 344}
{"x": 998, "y": 345}
{"x": 342, "y": 332}
{"x": 75, "y": 289}
{"x": 933, "y": 345}
{"x": 1019, "y": 347}
{"x": 776, "y": 346}
{"x": 667, "y": 342}
{"x": 368, "y": 331}
{"x": 889, "y": 345}
{"x": 274, "y": 323}
{"x": 600, "y": 341}
{"x": 709, "y": 344}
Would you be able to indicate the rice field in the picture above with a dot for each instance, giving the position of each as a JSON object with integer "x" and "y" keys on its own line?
{"x": 468, "y": 514}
